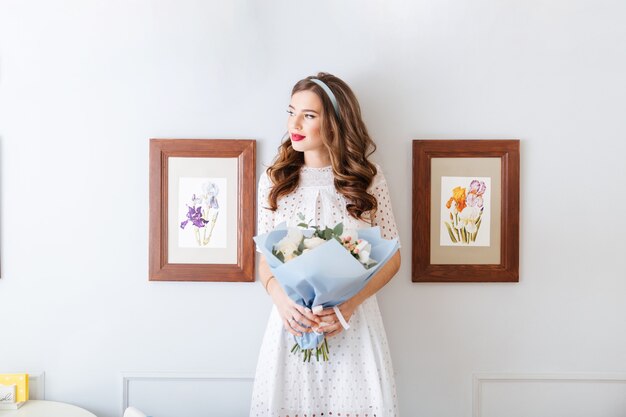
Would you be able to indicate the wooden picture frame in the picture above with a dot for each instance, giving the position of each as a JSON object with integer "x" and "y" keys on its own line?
{"x": 447, "y": 243}
{"x": 202, "y": 209}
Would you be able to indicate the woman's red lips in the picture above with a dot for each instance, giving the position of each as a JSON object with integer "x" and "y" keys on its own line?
{"x": 296, "y": 137}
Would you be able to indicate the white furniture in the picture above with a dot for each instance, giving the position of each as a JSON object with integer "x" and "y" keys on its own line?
{"x": 39, "y": 408}
{"x": 133, "y": 412}
{"x": 37, "y": 386}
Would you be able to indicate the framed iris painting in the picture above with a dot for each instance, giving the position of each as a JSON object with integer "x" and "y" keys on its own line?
{"x": 202, "y": 209}
{"x": 465, "y": 211}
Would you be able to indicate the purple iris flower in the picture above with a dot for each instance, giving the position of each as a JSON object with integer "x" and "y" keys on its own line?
{"x": 194, "y": 215}
{"x": 478, "y": 187}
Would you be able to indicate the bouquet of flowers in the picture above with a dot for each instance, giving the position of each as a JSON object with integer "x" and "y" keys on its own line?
{"x": 321, "y": 268}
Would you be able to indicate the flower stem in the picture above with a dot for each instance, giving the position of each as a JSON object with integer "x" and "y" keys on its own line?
{"x": 307, "y": 354}
{"x": 197, "y": 233}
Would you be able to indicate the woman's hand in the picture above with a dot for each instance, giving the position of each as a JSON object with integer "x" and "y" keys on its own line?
{"x": 331, "y": 326}
{"x": 296, "y": 318}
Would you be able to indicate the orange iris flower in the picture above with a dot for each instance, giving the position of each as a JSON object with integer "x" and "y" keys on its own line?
{"x": 458, "y": 196}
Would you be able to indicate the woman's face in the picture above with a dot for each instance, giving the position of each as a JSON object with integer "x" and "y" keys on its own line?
{"x": 304, "y": 122}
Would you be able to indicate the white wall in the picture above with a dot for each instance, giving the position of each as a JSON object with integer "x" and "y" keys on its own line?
{"x": 85, "y": 84}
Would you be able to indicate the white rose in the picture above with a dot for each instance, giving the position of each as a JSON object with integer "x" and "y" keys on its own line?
{"x": 293, "y": 238}
{"x": 289, "y": 256}
{"x": 364, "y": 256}
{"x": 363, "y": 250}
{"x": 363, "y": 245}
{"x": 294, "y": 235}
{"x": 287, "y": 248}
{"x": 313, "y": 242}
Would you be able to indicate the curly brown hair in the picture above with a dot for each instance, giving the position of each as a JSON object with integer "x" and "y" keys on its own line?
{"x": 348, "y": 143}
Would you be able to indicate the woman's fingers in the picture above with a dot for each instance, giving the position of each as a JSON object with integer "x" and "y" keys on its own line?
{"x": 329, "y": 319}
{"x": 306, "y": 314}
{"x": 287, "y": 326}
{"x": 302, "y": 319}
{"x": 330, "y": 328}
{"x": 326, "y": 312}
{"x": 327, "y": 316}
{"x": 333, "y": 330}
{"x": 296, "y": 325}
{"x": 298, "y": 319}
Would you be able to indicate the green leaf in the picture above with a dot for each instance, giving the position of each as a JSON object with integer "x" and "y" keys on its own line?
{"x": 338, "y": 230}
{"x": 328, "y": 234}
{"x": 301, "y": 216}
{"x": 450, "y": 232}
{"x": 306, "y": 226}
{"x": 280, "y": 256}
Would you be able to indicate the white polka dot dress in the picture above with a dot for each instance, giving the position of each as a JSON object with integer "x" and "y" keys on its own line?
{"x": 358, "y": 379}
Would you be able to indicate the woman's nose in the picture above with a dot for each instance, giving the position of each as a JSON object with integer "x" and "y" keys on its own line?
{"x": 295, "y": 122}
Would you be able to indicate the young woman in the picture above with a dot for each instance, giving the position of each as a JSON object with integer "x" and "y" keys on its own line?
{"x": 322, "y": 171}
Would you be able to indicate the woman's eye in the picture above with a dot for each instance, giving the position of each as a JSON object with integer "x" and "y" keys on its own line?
{"x": 309, "y": 116}
{"x": 290, "y": 112}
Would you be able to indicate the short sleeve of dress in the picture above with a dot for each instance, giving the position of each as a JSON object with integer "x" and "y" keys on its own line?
{"x": 384, "y": 217}
{"x": 265, "y": 217}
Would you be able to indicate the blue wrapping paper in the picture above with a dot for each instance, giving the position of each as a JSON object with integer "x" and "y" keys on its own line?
{"x": 327, "y": 275}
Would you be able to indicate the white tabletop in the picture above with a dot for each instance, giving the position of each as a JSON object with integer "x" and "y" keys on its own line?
{"x": 38, "y": 408}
